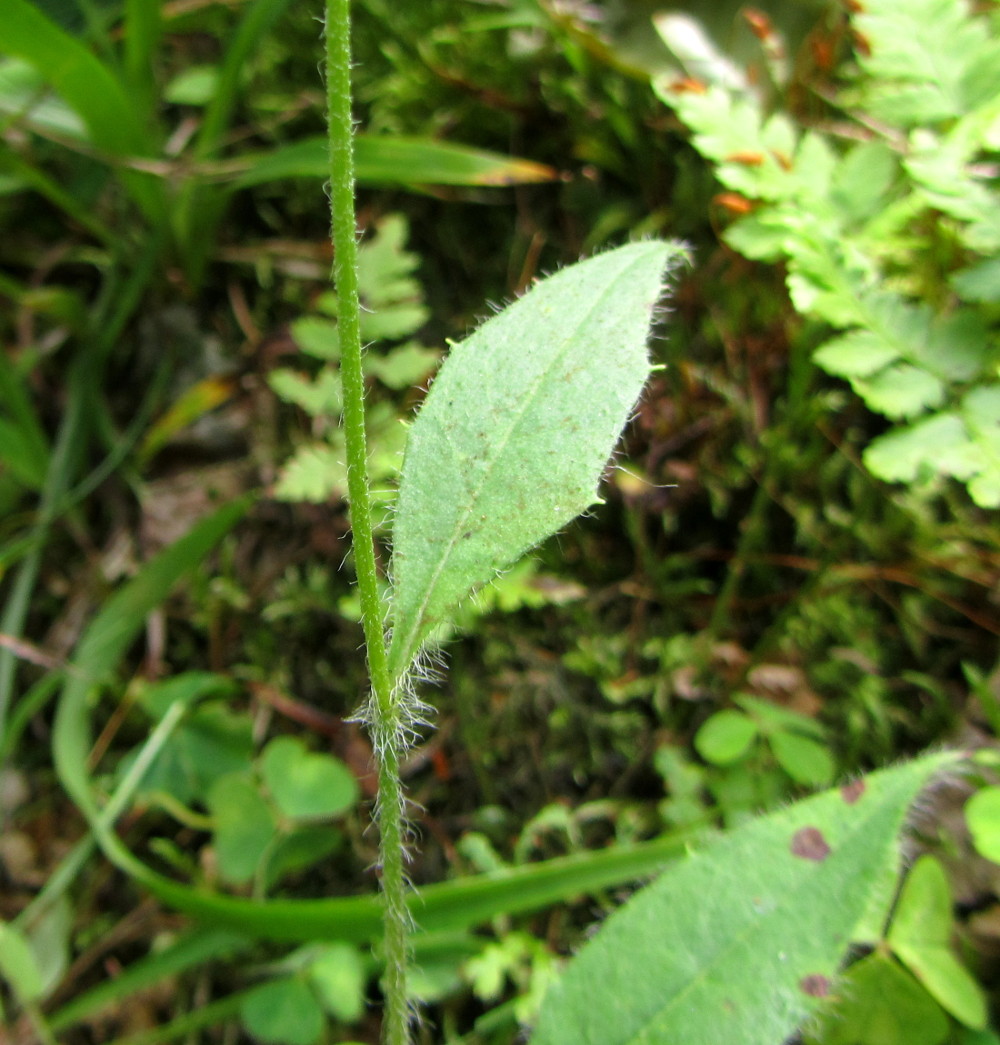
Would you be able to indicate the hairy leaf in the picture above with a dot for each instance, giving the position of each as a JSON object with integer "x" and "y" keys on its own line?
{"x": 519, "y": 424}
{"x": 742, "y": 941}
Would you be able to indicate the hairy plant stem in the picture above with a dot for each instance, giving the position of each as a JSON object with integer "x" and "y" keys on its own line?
{"x": 386, "y": 722}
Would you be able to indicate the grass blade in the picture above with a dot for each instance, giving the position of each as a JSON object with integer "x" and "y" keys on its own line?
{"x": 90, "y": 88}
{"x": 190, "y": 951}
{"x": 397, "y": 161}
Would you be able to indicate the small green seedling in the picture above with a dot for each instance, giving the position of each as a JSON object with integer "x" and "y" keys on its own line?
{"x": 756, "y": 750}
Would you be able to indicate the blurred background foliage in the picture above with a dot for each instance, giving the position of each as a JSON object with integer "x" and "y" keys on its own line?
{"x": 752, "y": 613}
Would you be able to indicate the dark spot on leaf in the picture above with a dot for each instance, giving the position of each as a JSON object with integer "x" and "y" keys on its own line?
{"x": 815, "y": 985}
{"x": 853, "y": 791}
{"x": 809, "y": 843}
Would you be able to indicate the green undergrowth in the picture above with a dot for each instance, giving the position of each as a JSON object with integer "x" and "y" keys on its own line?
{"x": 791, "y": 580}
{"x": 887, "y": 225}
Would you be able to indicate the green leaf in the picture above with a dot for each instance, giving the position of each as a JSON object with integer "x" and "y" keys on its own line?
{"x": 763, "y": 236}
{"x": 195, "y": 85}
{"x": 321, "y": 397}
{"x": 512, "y": 439}
{"x": 981, "y": 414}
{"x": 18, "y": 966}
{"x": 978, "y": 1037}
{"x": 90, "y": 88}
{"x": 403, "y": 367}
{"x": 880, "y": 1003}
{"x": 283, "y": 1012}
{"x": 862, "y": 180}
{"x": 87, "y": 85}
{"x": 210, "y": 742}
{"x": 244, "y": 826}
{"x": 317, "y": 337}
{"x": 979, "y": 283}
{"x": 982, "y": 814}
{"x": 900, "y": 391}
{"x": 338, "y": 977}
{"x": 409, "y": 161}
{"x": 313, "y": 473}
{"x": 956, "y": 348}
{"x": 305, "y": 785}
{"x": 393, "y": 299}
{"x": 725, "y": 737}
{"x": 393, "y": 323}
{"x": 804, "y": 760}
{"x": 189, "y": 687}
{"x": 905, "y": 453}
{"x": 728, "y": 127}
{"x": 50, "y": 936}
{"x": 966, "y": 446}
{"x": 386, "y": 268}
{"x": 926, "y": 60}
{"x": 823, "y": 284}
{"x": 23, "y": 94}
{"x": 741, "y": 942}
{"x": 859, "y": 353}
{"x": 920, "y": 936}
{"x": 772, "y": 717}
{"x": 300, "y": 849}
{"x": 397, "y": 161}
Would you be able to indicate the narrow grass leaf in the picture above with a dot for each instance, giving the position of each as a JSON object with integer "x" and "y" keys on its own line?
{"x": 512, "y": 440}
{"x": 193, "y": 949}
{"x": 741, "y": 942}
{"x": 443, "y": 907}
{"x": 24, "y": 447}
{"x": 398, "y": 161}
{"x": 88, "y": 87}
{"x": 109, "y": 635}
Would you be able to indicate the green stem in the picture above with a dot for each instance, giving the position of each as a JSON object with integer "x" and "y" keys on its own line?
{"x": 385, "y": 709}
